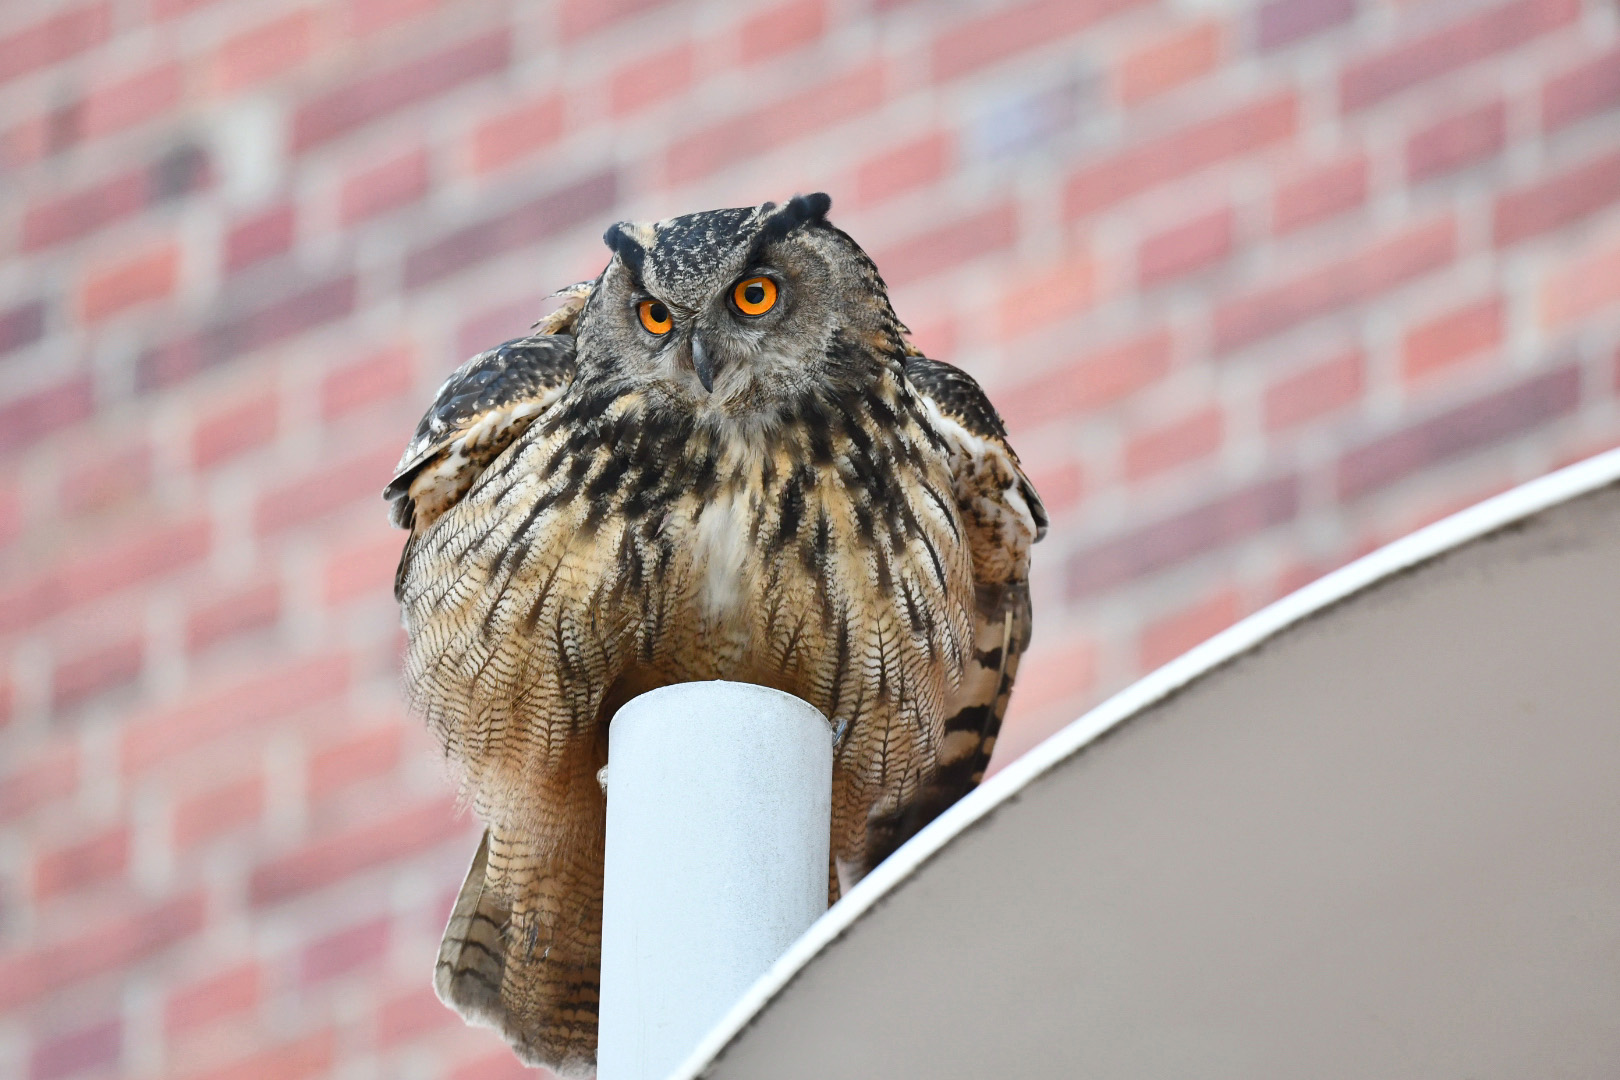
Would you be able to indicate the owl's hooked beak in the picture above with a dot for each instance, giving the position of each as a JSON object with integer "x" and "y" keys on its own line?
{"x": 702, "y": 363}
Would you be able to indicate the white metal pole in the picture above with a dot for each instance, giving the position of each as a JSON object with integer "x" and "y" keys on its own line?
{"x": 718, "y": 808}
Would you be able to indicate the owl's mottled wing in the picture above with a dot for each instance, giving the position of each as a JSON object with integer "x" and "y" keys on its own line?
{"x": 1002, "y": 516}
{"x": 480, "y": 410}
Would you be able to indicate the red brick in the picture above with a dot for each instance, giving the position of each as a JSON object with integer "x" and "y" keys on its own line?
{"x": 1228, "y": 135}
{"x": 364, "y": 569}
{"x": 1165, "y": 639}
{"x": 351, "y": 949}
{"x": 274, "y": 692}
{"x": 503, "y": 322}
{"x": 260, "y": 236}
{"x": 781, "y": 29}
{"x": 234, "y": 429}
{"x": 1490, "y": 420}
{"x": 1457, "y": 45}
{"x": 1195, "y": 245}
{"x": 412, "y": 1016}
{"x": 134, "y": 555}
{"x": 355, "y": 759}
{"x": 1320, "y": 389}
{"x": 213, "y": 997}
{"x": 1354, "y": 280}
{"x": 914, "y": 164}
{"x": 1456, "y": 142}
{"x": 54, "y": 39}
{"x": 363, "y": 18}
{"x": 68, "y": 217}
{"x": 39, "y": 969}
{"x": 1090, "y": 382}
{"x": 217, "y": 811}
{"x": 331, "y": 488}
{"x": 372, "y": 97}
{"x": 86, "y": 1047}
{"x": 1581, "y": 287}
{"x": 79, "y": 865}
{"x": 174, "y": 9}
{"x": 994, "y": 37}
{"x": 1558, "y": 200}
{"x": 1179, "y": 442}
{"x": 307, "y": 1057}
{"x": 948, "y": 246}
{"x": 227, "y": 614}
{"x": 651, "y": 78}
{"x": 1061, "y": 486}
{"x": 517, "y": 133}
{"x": 51, "y": 774}
{"x": 1452, "y": 338}
{"x": 152, "y": 275}
{"x": 83, "y": 675}
{"x": 500, "y": 1065}
{"x": 578, "y": 18}
{"x": 385, "y": 186}
{"x": 512, "y": 230}
{"x": 1045, "y": 295}
{"x": 1321, "y": 193}
{"x": 108, "y": 475}
{"x": 1157, "y": 546}
{"x": 264, "y": 52}
{"x": 1283, "y": 22}
{"x": 1174, "y": 59}
{"x": 131, "y": 101}
{"x": 843, "y": 97}
{"x": 1583, "y": 91}
{"x": 341, "y": 855}
{"x": 381, "y": 376}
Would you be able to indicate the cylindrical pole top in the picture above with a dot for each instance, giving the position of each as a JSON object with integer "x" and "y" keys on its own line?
{"x": 718, "y": 810}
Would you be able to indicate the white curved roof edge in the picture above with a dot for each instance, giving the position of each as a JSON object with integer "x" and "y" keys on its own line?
{"x": 1427, "y": 543}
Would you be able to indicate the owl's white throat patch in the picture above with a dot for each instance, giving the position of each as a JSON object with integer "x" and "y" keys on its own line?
{"x": 721, "y": 543}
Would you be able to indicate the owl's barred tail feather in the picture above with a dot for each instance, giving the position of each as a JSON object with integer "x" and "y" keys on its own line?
{"x": 522, "y": 951}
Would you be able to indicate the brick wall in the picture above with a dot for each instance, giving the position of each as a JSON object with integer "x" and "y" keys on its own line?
{"x": 1258, "y": 288}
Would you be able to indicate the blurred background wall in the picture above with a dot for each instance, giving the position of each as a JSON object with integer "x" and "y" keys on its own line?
{"x": 1257, "y": 286}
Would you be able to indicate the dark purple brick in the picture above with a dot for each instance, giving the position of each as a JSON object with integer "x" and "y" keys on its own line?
{"x": 1282, "y": 22}
{"x": 1557, "y": 201}
{"x": 527, "y": 224}
{"x": 1588, "y": 89}
{"x": 253, "y": 328}
{"x": 76, "y": 1051}
{"x": 1489, "y": 420}
{"x": 1174, "y": 540}
{"x": 36, "y": 414}
{"x": 22, "y": 325}
{"x": 339, "y": 111}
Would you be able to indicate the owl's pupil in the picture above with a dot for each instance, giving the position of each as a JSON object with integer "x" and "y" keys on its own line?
{"x": 754, "y": 293}
{"x": 658, "y": 313}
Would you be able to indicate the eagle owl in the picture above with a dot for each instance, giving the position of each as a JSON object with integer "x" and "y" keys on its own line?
{"x": 721, "y": 459}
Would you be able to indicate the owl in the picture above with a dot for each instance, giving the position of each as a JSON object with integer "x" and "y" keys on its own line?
{"x": 721, "y": 459}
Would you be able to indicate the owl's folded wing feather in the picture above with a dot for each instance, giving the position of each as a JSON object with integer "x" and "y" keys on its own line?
{"x": 480, "y": 410}
{"x": 1002, "y": 517}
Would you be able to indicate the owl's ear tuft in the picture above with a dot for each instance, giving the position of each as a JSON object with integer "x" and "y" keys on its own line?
{"x": 625, "y": 246}
{"x": 800, "y": 210}
{"x": 811, "y": 207}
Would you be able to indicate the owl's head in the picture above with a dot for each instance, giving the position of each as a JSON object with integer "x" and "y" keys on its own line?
{"x": 738, "y": 311}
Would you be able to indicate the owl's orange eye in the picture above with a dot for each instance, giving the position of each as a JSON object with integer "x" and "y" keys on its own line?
{"x": 655, "y": 317}
{"x": 754, "y": 296}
